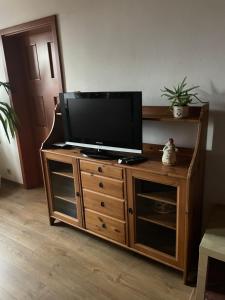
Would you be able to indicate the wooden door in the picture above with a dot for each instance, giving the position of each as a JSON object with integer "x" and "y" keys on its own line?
{"x": 39, "y": 59}
{"x": 157, "y": 216}
{"x": 32, "y": 61}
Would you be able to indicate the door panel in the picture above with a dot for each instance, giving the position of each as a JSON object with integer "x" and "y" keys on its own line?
{"x": 43, "y": 86}
{"x": 33, "y": 65}
{"x": 157, "y": 216}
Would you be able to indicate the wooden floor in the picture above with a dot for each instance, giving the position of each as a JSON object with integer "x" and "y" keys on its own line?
{"x": 38, "y": 261}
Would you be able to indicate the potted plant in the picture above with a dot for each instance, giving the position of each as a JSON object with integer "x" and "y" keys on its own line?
{"x": 8, "y": 117}
{"x": 180, "y": 97}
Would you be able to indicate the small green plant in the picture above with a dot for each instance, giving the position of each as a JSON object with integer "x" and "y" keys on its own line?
{"x": 181, "y": 95}
{"x": 7, "y": 115}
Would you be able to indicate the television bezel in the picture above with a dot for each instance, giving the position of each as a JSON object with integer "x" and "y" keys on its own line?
{"x": 136, "y": 96}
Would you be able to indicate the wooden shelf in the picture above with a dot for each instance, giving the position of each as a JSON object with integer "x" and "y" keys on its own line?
{"x": 169, "y": 197}
{"x": 64, "y": 173}
{"x": 165, "y": 220}
{"x": 169, "y": 118}
{"x": 163, "y": 113}
{"x": 66, "y": 199}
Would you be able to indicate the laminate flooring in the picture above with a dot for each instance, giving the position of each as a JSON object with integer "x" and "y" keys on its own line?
{"x": 39, "y": 261}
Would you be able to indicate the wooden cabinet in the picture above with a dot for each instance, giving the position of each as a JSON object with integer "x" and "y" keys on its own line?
{"x": 149, "y": 208}
{"x": 156, "y": 208}
{"x": 104, "y": 199}
{"x": 104, "y": 204}
{"x": 63, "y": 188}
{"x": 102, "y": 184}
{"x": 104, "y": 225}
{"x": 101, "y": 169}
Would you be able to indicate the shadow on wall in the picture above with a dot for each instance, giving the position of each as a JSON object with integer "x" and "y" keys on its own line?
{"x": 214, "y": 190}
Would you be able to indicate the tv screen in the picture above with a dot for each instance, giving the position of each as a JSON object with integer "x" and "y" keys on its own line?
{"x": 104, "y": 120}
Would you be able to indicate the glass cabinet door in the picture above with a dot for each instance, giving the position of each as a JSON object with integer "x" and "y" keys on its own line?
{"x": 64, "y": 190}
{"x": 156, "y": 217}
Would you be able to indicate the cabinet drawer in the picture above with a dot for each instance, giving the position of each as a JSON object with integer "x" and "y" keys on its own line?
{"x": 101, "y": 169}
{"x": 104, "y": 204}
{"x": 112, "y": 187}
{"x": 106, "y": 226}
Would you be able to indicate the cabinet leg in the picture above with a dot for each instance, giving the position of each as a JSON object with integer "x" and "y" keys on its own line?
{"x": 51, "y": 221}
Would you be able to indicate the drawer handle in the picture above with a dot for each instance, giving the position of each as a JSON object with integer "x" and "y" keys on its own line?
{"x": 103, "y": 225}
{"x": 99, "y": 169}
{"x": 130, "y": 211}
{"x": 100, "y": 184}
{"x": 102, "y": 204}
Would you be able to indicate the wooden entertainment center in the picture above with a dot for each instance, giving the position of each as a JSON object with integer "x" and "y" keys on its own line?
{"x": 149, "y": 208}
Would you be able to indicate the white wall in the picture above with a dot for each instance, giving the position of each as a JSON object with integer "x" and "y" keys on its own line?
{"x": 142, "y": 45}
{"x": 9, "y": 158}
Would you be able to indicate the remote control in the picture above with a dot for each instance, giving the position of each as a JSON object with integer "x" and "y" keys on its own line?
{"x": 131, "y": 160}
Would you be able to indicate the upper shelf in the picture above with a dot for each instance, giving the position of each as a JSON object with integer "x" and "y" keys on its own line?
{"x": 163, "y": 113}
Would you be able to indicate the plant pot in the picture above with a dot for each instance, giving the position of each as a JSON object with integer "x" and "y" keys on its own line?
{"x": 180, "y": 112}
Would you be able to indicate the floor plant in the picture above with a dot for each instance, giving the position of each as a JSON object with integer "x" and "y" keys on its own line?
{"x": 8, "y": 117}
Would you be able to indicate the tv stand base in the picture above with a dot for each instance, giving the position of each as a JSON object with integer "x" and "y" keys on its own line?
{"x": 99, "y": 154}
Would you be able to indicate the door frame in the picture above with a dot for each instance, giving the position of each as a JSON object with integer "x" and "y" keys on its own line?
{"x": 51, "y": 23}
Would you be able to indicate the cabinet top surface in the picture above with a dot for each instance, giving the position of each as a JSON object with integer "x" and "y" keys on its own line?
{"x": 152, "y": 165}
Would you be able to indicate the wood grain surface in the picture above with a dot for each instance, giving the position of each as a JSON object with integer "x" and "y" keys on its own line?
{"x": 38, "y": 261}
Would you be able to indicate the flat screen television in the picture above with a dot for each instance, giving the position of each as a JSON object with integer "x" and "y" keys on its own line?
{"x": 110, "y": 121}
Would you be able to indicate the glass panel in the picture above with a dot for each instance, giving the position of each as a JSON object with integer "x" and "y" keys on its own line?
{"x": 156, "y": 191}
{"x": 157, "y": 237}
{"x": 157, "y": 212}
{"x": 65, "y": 207}
{"x": 156, "y": 209}
{"x": 61, "y": 168}
{"x": 63, "y": 187}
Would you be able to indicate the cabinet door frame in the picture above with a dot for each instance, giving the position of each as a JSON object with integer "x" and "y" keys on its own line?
{"x": 178, "y": 260}
{"x": 48, "y": 186}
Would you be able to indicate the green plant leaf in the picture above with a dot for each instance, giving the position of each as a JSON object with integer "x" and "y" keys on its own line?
{"x": 190, "y": 89}
{"x": 2, "y": 120}
{"x": 181, "y": 95}
{"x": 6, "y": 86}
{"x": 8, "y": 117}
{"x": 169, "y": 91}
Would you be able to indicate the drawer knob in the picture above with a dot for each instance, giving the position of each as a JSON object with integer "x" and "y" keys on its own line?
{"x": 100, "y": 184}
{"x": 130, "y": 211}
{"x": 103, "y": 225}
{"x": 102, "y": 204}
{"x": 99, "y": 169}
